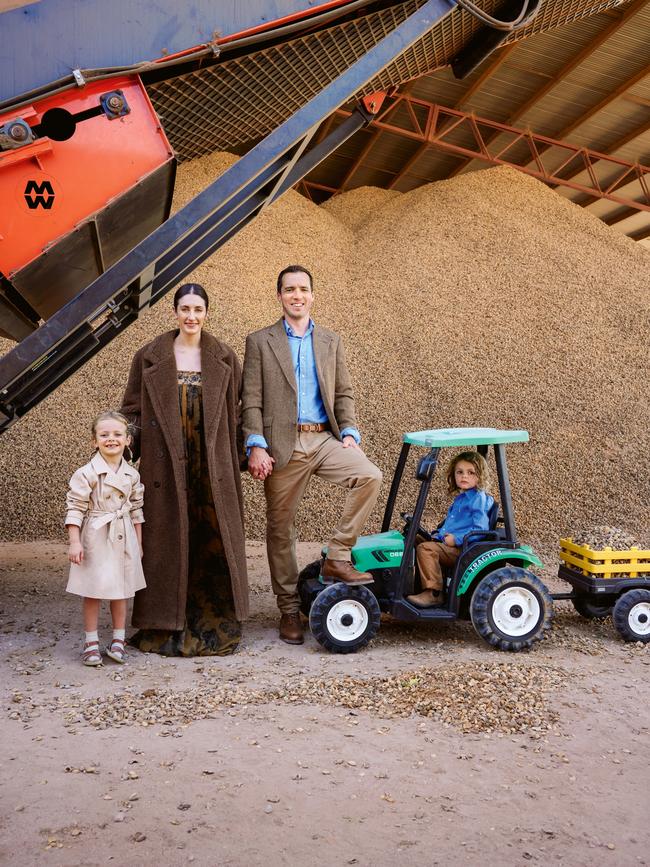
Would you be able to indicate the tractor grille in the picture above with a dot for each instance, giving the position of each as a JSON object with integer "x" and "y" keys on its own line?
{"x": 234, "y": 103}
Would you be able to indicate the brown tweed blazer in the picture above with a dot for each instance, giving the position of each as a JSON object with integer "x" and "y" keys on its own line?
{"x": 269, "y": 395}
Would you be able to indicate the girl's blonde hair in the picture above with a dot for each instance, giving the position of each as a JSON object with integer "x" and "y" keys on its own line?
{"x": 110, "y": 414}
{"x": 478, "y": 462}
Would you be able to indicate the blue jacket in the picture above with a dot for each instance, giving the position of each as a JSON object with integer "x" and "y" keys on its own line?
{"x": 469, "y": 511}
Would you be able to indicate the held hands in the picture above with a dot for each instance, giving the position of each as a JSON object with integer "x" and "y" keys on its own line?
{"x": 449, "y": 540}
{"x": 260, "y": 463}
{"x": 75, "y": 552}
{"x": 350, "y": 443}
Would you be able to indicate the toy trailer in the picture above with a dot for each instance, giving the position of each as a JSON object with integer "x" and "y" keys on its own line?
{"x": 609, "y": 582}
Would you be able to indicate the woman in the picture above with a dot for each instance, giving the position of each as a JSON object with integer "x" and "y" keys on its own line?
{"x": 183, "y": 398}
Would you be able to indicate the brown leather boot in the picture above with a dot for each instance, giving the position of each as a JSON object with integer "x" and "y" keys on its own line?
{"x": 343, "y": 570}
{"x": 426, "y": 599}
{"x": 291, "y": 628}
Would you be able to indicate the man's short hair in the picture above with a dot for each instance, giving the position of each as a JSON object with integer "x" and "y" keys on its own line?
{"x": 295, "y": 269}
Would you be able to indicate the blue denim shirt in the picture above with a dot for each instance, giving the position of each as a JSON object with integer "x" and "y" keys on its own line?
{"x": 310, "y": 402}
{"x": 469, "y": 511}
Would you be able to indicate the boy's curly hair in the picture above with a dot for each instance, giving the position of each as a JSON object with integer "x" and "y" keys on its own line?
{"x": 480, "y": 465}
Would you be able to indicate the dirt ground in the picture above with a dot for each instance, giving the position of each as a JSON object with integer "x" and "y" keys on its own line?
{"x": 304, "y": 781}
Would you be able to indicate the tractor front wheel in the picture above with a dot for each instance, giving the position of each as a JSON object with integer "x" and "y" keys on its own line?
{"x": 511, "y": 608}
{"x": 343, "y": 618}
{"x": 632, "y": 615}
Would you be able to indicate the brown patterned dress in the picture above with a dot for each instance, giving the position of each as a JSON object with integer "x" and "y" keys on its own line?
{"x": 211, "y": 627}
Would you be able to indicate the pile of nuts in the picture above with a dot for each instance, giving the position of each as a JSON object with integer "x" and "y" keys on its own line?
{"x": 483, "y": 300}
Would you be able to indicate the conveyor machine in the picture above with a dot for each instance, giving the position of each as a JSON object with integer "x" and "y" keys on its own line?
{"x": 87, "y": 161}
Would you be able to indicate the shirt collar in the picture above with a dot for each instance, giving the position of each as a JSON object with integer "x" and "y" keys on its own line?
{"x": 290, "y": 331}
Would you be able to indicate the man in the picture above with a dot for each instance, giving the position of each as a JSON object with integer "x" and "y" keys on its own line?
{"x": 299, "y": 421}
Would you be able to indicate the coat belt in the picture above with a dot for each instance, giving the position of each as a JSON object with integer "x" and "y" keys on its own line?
{"x": 100, "y": 517}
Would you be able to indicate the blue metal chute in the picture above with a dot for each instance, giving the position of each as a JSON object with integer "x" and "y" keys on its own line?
{"x": 88, "y": 322}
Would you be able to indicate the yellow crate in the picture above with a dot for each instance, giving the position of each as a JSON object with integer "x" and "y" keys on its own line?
{"x": 607, "y": 563}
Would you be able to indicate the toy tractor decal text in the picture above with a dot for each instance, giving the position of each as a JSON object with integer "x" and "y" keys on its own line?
{"x": 495, "y": 554}
{"x": 39, "y": 195}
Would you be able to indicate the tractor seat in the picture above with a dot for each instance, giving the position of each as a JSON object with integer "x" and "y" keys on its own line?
{"x": 483, "y": 535}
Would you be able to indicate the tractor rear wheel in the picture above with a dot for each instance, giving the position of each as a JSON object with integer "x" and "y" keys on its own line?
{"x": 343, "y": 618}
{"x": 511, "y": 608}
{"x": 632, "y": 615}
{"x": 307, "y": 587}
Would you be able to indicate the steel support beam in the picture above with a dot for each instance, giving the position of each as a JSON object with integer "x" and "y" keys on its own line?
{"x": 31, "y": 370}
{"x": 444, "y": 127}
{"x": 620, "y": 142}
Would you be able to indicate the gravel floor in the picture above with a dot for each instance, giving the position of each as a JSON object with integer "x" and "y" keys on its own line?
{"x": 425, "y": 748}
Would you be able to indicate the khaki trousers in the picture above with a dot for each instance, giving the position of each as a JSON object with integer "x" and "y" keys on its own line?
{"x": 322, "y": 455}
{"x": 431, "y": 556}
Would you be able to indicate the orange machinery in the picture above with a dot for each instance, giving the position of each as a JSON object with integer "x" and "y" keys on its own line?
{"x": 85, "y": 174}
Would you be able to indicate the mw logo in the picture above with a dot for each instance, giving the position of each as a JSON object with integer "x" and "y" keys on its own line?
{"x": 39, "y": 195}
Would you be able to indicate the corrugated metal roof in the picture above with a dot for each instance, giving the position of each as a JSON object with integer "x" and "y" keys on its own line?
{"x": 530, "y": 66}
{"x": 233, "y": 103}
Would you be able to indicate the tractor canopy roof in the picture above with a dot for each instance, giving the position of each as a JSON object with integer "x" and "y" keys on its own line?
{"x": 464, "y": 436}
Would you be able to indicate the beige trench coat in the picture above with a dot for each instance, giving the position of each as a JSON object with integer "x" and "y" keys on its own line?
{"x": 106, "y": 505}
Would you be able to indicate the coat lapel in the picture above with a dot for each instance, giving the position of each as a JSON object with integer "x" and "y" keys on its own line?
{"x": 322, "y": 343}
{"x": 118, "y": 480}
{"x": 214, "y": 378}
{"x": 161, "y": 382}
{"x": 279, "y": 343}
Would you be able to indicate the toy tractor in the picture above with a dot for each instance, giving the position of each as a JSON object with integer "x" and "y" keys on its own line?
{"x": 491, "y": 582}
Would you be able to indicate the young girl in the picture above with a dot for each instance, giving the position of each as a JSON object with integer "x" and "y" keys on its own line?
{"x": 104, "y": 522}
{"x": 467, "y": 476}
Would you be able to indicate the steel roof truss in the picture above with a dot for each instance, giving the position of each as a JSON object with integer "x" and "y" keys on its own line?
{"x": 475, "y": 136}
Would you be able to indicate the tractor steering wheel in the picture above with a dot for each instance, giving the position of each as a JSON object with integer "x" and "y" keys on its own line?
{"x": 408, "y": 520}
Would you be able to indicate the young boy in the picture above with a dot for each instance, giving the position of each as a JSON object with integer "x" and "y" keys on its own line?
{"x": 467, "y": 476}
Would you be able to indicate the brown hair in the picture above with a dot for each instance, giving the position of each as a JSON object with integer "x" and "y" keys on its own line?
{"x": 478, "y": 462}
{"x": 295, "y": 269}
{"x": 191, "y": 289}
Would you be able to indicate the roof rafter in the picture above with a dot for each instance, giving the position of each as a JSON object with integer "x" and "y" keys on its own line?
{"x": 624, "y": 15}
{"x": 489, "y": 69}
{"x": 623, "y": 87}
{"x": 641, "y": 235}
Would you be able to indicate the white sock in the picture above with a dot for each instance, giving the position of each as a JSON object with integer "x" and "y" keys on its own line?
{"x": 92, "y": 637}
{"x": 119, "y": 633}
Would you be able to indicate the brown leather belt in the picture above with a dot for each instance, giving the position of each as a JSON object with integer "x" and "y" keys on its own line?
{"x": 313, "y": 427}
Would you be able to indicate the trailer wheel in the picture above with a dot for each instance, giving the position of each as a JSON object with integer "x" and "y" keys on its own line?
{"x": 306, "y": 585}
{"x": 344, "y": 618}
{"x": 511, "y": 608}
{"x": 591, "y": 610}
{"x": 632, "y": 615}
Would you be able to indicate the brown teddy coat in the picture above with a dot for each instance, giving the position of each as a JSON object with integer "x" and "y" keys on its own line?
{"x": 151, "y": 403}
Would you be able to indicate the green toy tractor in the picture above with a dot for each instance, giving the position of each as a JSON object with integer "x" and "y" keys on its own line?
{"x": 491, "y": 582}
